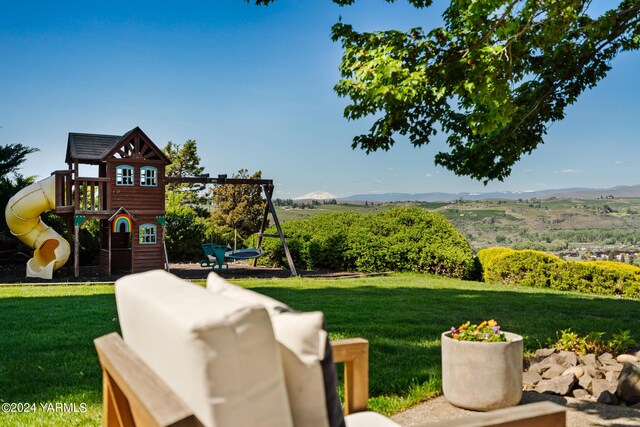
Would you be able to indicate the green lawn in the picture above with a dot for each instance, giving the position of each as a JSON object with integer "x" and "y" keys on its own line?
{"x": 47, "y": 355}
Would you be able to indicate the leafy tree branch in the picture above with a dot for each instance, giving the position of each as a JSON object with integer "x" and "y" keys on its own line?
{"x": 493, "y": 78}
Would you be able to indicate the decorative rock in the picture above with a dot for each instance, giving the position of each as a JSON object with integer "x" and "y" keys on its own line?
{"x": 575, "y": 370}
{"x": 548, "y": 362}
{"x": 531, "y": 378}
{"x": 561, "y": 385}
{"x": 624, "y": 358}
{"x": 590, "y": 370}
{"x": 544, "y": 352}
{"x": 605, "y": 378}
{"x": 589, "y": 359}
{"x": 568, "y": 358}
{"x": 585, "y": 382}
{"x": 555, "y": 370}
{"x": 612, "y": 376}
{"x": 629, "y": 383}
{"x": 607, "y": 359}
{"x": 608, "y": 398}
{"x": 599, "y": 386}
{"x": 581, "y": 394}
{"x": 535, "y": 368}
{"x": 616, "y": 368}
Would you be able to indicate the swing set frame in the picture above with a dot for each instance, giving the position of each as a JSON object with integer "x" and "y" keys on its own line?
{"x": 267, "y": 188}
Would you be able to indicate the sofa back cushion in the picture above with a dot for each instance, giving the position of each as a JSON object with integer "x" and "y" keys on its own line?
{"x": 309, "y": 371}
{"x": 218, "y": 354}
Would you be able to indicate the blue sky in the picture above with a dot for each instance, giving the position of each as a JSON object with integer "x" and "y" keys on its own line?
{"x": 254, "y": 86}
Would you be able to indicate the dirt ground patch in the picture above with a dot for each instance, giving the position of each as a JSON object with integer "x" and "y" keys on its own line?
{"x": 15, "y": 273}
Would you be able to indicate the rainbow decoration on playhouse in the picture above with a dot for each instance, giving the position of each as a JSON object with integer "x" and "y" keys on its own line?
{"x": 122, "y": 219}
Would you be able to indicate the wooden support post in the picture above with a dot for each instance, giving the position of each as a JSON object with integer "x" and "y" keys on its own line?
{"x": 76, "y": 250}
{"x": 78, "y": 220}
{"x": 163, "y": 222}
{"x": 277, "y": 224}
{"x": 166, "y": 255}
{"x": 263, "y": 226}
{"x": 354, "y": 353}
{"x": 109, "y": 230}
{"x": 70, "y": 269}
{"x": 76, "y": 185}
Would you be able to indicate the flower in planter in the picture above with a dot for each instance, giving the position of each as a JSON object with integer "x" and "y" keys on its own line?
{"x": 487, "y": 331}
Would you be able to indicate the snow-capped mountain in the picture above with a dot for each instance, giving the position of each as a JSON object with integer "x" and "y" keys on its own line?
{"x": 316, "y": 195}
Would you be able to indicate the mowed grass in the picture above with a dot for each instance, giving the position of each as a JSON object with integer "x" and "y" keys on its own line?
{"x": 47, "y": 355}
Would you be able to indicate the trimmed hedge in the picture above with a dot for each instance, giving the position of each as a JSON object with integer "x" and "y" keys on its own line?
{"x": 525, "y": 267}
{"x": 399, "y": 239}
{"x": 486, "y": 255}
{"x": 539, "y": 269}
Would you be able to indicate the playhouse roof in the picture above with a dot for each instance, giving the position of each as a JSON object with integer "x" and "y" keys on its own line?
{"x": 95, "y": 148}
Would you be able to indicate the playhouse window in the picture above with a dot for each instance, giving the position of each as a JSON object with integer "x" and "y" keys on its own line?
{"x": 124, "y": 175}
{"x": 148, "y": 176}
{"x": 147, "y": 234}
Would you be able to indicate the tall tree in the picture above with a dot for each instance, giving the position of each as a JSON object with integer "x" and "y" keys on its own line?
{"x": 185, "y": 162}
{"x": 493, "y": 78}
{"x": 239, "y": 206}
{"x": 11, "y": 157}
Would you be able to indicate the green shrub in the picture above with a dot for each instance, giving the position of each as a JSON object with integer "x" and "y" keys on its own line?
{"x": 594, "y": 342}
{"x": 187, "y": 229}
{"x": 538, "y": 269}
{"x": 602, "y": 277}
{"x": 526, "y": 267}
{"x": 319, "y": 241}
{"x": 400, "y": 239}
{"x": 486, "y": 256}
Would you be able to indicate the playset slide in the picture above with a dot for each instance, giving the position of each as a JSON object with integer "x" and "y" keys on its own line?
{"x": 23, "y": 211}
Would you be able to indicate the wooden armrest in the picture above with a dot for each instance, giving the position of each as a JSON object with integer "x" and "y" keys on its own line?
{"x": 354, "y": 353}
{"x": 133, "y": 395}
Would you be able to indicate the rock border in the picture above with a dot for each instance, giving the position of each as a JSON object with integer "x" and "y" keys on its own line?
{"x": 603, "y": 378}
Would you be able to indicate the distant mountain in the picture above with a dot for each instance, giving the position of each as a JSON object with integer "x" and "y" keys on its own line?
{"x": 564, "y": 193}
{"x": 316, "y": 195}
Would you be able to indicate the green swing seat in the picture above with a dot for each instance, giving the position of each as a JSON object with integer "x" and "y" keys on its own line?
{"x": 214, "y": 254}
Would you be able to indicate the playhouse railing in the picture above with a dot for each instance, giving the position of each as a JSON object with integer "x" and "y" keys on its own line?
{"x": 64, "y": 191}
{"x": 90, "y": 194}
{"x": 80, "y": 195}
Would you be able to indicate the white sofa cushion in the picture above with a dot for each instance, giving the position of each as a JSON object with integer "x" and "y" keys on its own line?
{"x": 308, "y": 365}
{"x": 369, "y": 419}
{"x": 220, "y": 286}
{"x": 218, "y": 354}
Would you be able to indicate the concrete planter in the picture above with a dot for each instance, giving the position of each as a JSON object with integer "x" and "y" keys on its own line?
{"x": 482, "y": 376}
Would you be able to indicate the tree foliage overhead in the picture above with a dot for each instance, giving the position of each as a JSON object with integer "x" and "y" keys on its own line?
{"x": 493, "y": 78}
{"x": 239, "y": 206}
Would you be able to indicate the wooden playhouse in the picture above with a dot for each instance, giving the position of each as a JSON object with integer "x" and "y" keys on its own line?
{"x": 128, "y": 197}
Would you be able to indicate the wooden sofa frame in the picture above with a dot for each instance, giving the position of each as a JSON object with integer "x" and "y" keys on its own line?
{"x": 133, "y": 395}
